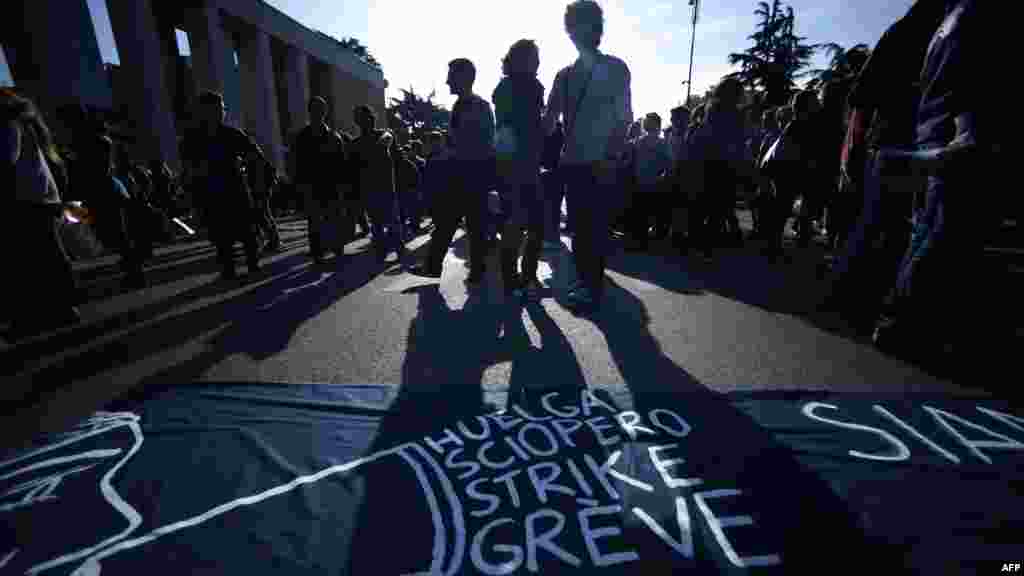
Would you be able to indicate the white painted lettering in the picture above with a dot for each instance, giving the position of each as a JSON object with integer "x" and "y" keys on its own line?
{"x": 549, "y": 438}
{"x": 1008, "y": 419}
{"x": 543, "y": 483}
{"x": 590, "y": 400}
{"x": 448, "y": 438}
{"x": 1002, "y": 443}
{"x": 598, "y": 429}
{"x": 517, "y": 449}
{"x": 683, "y": 546}
{"x": 505, "y": 421}
{"x": 898, "y": 453}
{"x": 629, "y": 422}
{"x": 481, "y": 455}
{"x": 665, "y": 466}
{"x": 471, "y": 467}
{"x": 718, "y": 526}
{"x": 485, "y": 429}
{"x": 546, "y": 540}
{"x": 580, "y": 480}
{"x": 591, "y": 534}
{"x": 913, "y": 432}
{"x": 566, "y": 427}
{"x": 601, "y": 473}
{"x": 545, "y": 401}
{"x": 604, "y": 471}
{"x": 522, "y": 412}
{"x": 476, "y": 551}
{"x": 678, "y": 427}
{"x": 492, "y": 501}
{"x": 506, "y": 478}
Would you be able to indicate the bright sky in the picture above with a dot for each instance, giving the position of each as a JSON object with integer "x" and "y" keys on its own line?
{"x": 414, "y": 40}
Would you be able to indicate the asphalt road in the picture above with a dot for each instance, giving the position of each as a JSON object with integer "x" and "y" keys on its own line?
{"x": 737, "y": 324}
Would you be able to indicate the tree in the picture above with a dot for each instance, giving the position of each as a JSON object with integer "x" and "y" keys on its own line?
{"x": 844, "y": 65}
{"x": 778, "y": 57}
{"x": 356, "y": 47}
{"x": 418, "y": 113}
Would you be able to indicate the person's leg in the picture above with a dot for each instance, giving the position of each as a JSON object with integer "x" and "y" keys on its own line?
{"x": 313, "y": 221}
{"x": 535, "y": 237}
{"x": 575, "y": 186}
{"x": 252, "y": 247}
{"x": 474, "y": 198}
{"x": 446, "y": 219}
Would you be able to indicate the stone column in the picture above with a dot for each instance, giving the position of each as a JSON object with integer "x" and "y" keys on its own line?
{"x": 142, "y": 64}
{"x": 259, "y": 98}
{"x": 297, "y": 88}
{"x": 341, "y": 89}
{"x": 58, "y": 58}
{"x": 210, "y": 48}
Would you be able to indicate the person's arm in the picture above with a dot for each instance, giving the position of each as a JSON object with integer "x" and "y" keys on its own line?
{"x": 555, "y": 102}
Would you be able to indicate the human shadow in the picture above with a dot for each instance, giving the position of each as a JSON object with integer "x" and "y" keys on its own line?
{"x": 258, "y": 323}
{"x": 14, "y": 359}
{"x": 552, "y": 367}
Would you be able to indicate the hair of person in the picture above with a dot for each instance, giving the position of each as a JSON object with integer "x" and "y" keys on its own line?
{"x": 211, "y": 98}
{"x": 523, "y": 58}
{"x": 463, "y": 66}
{"x": 585, "y": 12}
{"x": 728, "y": 93}
{"x": 680, "y": 111}
{"x": 317, "y": 100}
{"x": 653, "y": 117}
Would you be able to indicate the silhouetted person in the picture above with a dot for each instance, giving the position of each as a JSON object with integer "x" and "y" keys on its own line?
{"x": 472, "y": 173}
{"x": 320, "y": 153}
{"x": 45, "y": 295}
{"x": 518, "y": 103}
{"x": 942, "y": 277}
{"x": 593, "y": 97}
{"x": 217, "y": 157}
{"x": 371, "y": 158}
{"x": 553, "y": 187}
{"x": 651, "y": 160}
{"x": 719, "y": 159}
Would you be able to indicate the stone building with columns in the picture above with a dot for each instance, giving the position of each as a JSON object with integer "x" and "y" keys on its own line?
{"x": 266, "y": 64}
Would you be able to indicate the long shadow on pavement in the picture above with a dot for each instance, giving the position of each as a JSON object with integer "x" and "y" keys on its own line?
{"x": 257, "y": 323}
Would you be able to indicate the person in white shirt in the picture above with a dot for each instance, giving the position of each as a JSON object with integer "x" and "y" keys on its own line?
{"x": 593, "y": 97}
{"x": 651, "y": 160}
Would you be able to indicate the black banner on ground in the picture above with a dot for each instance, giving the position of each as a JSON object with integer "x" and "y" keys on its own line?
{"x": 321, "y": 479}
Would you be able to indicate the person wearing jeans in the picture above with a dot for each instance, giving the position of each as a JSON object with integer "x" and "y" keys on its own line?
{"x": 472, "y": 174}
{"x": 593, "y": 96}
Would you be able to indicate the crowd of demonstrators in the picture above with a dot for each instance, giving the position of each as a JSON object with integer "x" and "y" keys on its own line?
{"x": 904, "y": 237}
